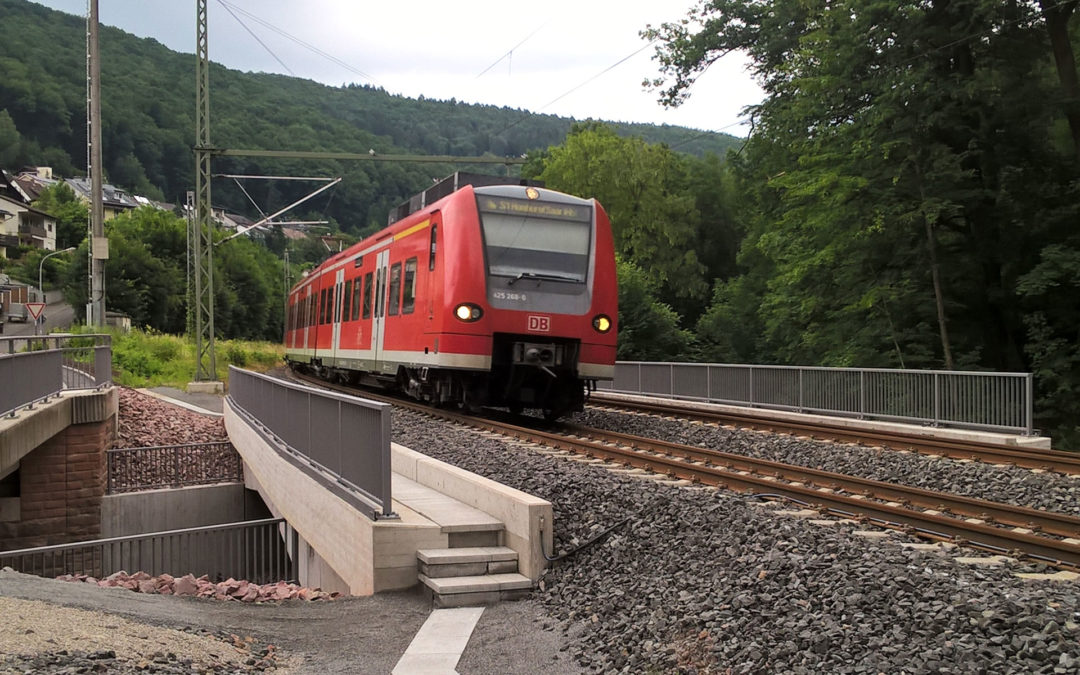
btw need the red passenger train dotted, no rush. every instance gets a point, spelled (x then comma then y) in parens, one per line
(480, 295)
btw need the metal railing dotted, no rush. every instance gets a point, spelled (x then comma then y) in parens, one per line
(961, 399)
(342, 436)
(260, 551)
(34, 369)
(171, 466)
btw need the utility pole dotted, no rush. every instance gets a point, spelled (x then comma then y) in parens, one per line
(203, 239)
(99, 245)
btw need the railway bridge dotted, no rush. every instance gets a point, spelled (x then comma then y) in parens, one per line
(353, 512)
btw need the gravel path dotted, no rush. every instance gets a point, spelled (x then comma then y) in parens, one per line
(35, 636)
(1010, 485)
(705, 581)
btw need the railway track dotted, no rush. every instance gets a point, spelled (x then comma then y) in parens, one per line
(991, 453)
(1048, 537)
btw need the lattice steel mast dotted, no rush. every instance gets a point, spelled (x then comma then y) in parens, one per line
(203, 239)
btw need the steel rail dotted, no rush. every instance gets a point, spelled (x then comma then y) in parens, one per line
(1006, 514)
(931, 524)
(993, 453)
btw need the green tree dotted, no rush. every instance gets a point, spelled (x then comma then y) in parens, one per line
(71, 213)
(648, 329)
(903, 175)
(642, 187)
(10, 140)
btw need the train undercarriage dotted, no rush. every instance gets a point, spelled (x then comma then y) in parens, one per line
(525, 374)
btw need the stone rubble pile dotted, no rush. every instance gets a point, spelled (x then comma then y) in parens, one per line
(145, 421)
(708, 581)
(202, 587)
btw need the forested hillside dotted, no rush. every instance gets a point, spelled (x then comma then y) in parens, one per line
(148, 94)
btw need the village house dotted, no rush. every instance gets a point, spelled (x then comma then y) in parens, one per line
(20, 223)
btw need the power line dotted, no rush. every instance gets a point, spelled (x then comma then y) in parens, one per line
(252, 33)
(578, 86)
(310, 47)
(511, 51)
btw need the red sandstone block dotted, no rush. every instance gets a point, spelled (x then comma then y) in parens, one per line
(41, 482)
(83, 518)
(45, 526)
(83, 493)
(83, 463)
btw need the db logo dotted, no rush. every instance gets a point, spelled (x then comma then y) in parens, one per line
(539, 324)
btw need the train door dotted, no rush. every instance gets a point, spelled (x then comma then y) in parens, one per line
(378, 326)
(335, 327)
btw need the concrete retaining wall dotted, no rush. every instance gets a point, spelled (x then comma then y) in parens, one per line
(172, 509)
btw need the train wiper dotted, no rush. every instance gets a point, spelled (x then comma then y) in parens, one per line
(543, 277)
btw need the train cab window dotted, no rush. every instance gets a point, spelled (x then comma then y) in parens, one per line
(347, 307)
(395, 289)
(434, 242)
(356, 300)
(368, 291)
(408, 292)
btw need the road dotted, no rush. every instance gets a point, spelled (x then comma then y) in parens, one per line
(58, 315)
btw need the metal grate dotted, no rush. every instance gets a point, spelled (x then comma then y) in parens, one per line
(171, 466)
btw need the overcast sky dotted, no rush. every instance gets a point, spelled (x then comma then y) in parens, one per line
(439, 50)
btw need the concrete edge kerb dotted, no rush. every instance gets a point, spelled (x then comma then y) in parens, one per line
(22, 434)
(183, 404)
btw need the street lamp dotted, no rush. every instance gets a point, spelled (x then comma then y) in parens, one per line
(41, 288)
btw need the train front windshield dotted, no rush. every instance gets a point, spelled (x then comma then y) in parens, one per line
(536, 240)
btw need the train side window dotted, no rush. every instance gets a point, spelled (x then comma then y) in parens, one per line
(330, 305)
(408, 292)
(368, 291)
(312, 302)
(395, 289)
(322, 306)
(356, 300)
(434, 242)
(346, 310)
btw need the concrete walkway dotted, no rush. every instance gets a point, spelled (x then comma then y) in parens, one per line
(440, 642)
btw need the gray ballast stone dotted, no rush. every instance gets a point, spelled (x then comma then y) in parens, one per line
(701, 579)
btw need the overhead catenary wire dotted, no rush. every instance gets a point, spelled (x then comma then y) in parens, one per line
(307, 45)
(510, 52)
(229, 9)
(577, 86)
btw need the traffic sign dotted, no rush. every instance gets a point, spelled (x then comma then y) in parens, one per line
(35, 309)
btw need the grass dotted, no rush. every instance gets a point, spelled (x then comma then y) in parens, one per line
(150, 359)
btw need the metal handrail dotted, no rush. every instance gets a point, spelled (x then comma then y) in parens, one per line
(342, 441)
(259, 551)
(946, 398)
(34, 369)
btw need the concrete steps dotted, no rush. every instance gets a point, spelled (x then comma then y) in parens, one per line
(470, 576)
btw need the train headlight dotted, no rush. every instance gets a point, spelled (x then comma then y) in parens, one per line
(468, 312)
(601, 323)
